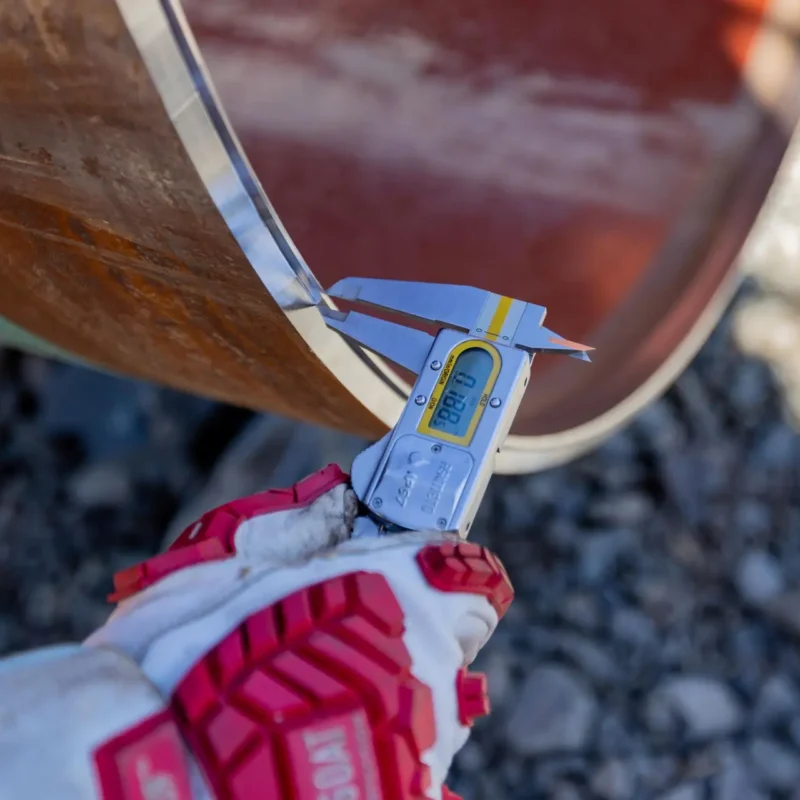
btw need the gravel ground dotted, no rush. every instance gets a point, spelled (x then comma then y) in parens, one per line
(768, 324)
(652, 651)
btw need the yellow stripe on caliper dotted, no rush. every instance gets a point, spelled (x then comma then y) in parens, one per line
(499, 318)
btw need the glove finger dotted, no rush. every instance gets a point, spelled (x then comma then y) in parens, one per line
(452, 573)
(274, 528)
(295, 534)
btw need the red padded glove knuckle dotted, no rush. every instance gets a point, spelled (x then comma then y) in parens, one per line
(472, 694)
(467, 567)
(212, 536)
(312, 698)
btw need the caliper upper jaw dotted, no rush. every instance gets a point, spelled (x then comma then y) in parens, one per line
(447, 304)
(460, 307)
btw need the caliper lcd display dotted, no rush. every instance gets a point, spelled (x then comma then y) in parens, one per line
(464, 395)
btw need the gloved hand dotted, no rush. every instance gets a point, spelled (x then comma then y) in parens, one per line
(267, 655)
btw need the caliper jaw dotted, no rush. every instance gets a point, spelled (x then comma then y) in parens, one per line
(406, 347)
(448, 304)
(483, 314)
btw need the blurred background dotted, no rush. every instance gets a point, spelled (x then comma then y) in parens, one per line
(653, 644)
(653, 648)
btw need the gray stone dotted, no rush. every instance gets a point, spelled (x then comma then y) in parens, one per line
(100, 484)
(749, 651)
(87, 614)
(702, 764)
(91, 574)
(785, 610)
(7, 633)
(633, 627)
(705, 706)
(471, 757)
(777, 700)
(563, 791)
(517, 516)
(758, 482)
(582, 610)
(715, 465)
(628, 510)
(480, 786)
(658, 424)
(753, 518)
(734, 780)
(554, 712)
(759, 577)
(620, 448)
(550, 771)
(660, 716)
(465, 786)
(777, 449)
(617, 476)
(542, 639)
(777, 765)
(686, 791)
(750, 389)
(664, 601)
(43, 606)
(514, 772)
(542, 487)
(497, 667)
(36, 372)
(614, 737)
(600, 553)
(702, 413)
(563, 535)
(682, 478)
(674, 649)
(595, 661)
(656, 772)
(517, 616)
(717, 516)
(684, 548)
(104, 411)
(571, 500)
(613, 780)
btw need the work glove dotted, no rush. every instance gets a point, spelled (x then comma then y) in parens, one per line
(279, 650)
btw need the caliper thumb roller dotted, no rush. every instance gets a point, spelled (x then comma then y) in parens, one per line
(314, 642)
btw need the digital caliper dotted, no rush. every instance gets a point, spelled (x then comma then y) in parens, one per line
(431, 470)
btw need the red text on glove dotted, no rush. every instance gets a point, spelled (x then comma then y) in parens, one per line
(335, 760)
(147, 762)
(155, 785)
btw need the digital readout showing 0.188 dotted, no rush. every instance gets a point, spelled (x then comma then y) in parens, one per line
(461, 399)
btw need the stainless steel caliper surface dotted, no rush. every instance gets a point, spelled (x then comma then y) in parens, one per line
(431, 470)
